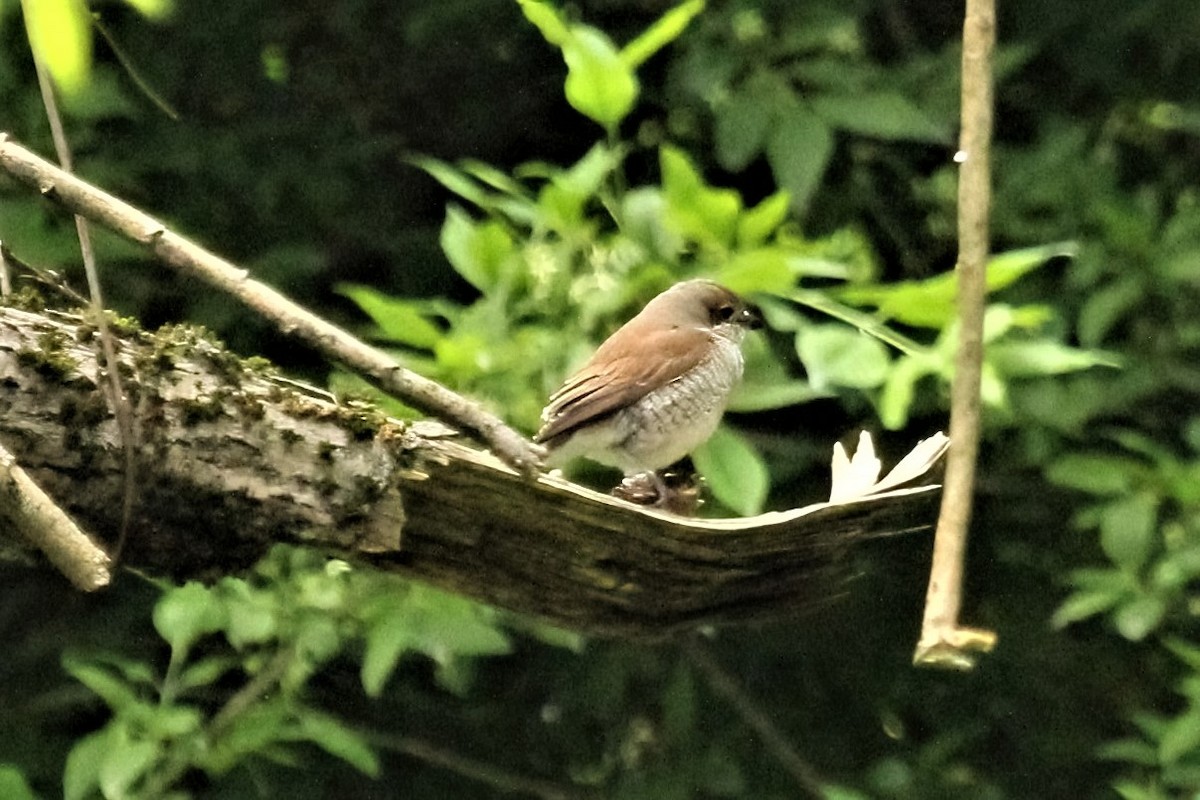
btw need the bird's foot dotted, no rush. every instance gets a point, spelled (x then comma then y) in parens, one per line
(675, 490)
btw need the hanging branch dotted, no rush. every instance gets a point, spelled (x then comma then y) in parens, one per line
(293, 320)
(943, 642)
(120, 402)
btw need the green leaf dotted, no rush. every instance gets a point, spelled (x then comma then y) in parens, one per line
(60, 33)
(661, 32)
(479, 251)
(1138, 619)
(798, 149)
(837, 355)
(1127, 529)
(1181, 738)
(185, 613)
(763, 269)
(586, 176)
(1108, 305)
(399, 319)
(756, 225)
(930, 303)
(1083, 605)
(896, 399)
(262, 724)
(125, 762)
(741, 125)
(81, 775)
(13, 785)
(153, 9)
(866, 323)
(753, 396)
(547, 20)
(1135, 751)
(116, 693)
(599, 84)
(1129, 790)
(454, 179)
(445, 627)
(843, 793)
(253, 618)
(768, 383)
(328, 733)
(644, 219)
(206, 671)
(701, 213)
(1095, 473)
(735, 472)
(563, 199)
(172, 721)
(1185, 651)
(386, 641)
(882, 115)
(1016, 359)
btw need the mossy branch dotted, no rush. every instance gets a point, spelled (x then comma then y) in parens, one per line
(86, 200)
(235, 459)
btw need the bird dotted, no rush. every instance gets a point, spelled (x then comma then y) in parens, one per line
(656, 389)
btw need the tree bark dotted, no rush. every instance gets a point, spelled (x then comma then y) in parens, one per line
(232, 458)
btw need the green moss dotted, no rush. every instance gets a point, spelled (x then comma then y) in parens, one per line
(51, 359)
(201, 409)
(83, 411)
(250, 407)
(27, 298)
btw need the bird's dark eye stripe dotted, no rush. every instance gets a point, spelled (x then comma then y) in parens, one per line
(725, 312)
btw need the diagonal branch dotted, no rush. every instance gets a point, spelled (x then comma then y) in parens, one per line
(756, 717)
(44, 524)
(943, 642)
(292, 319)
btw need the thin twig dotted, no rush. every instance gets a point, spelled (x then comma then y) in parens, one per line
(120, 402)
(5, 274)
(755, 716)
(943, 642)
(35, 515)
(293, 320)
(498, 778)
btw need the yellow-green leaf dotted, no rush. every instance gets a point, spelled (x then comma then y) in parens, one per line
(664, 31)
(60, 33)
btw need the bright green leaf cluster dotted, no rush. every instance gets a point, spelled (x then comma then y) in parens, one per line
(273, 631)
(601, 80)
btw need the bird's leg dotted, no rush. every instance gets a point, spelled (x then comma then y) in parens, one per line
(674, 490)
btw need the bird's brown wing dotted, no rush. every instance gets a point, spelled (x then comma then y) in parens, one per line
(625, 368)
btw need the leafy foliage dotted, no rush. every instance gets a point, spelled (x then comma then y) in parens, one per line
(799, 152)
(271, 633)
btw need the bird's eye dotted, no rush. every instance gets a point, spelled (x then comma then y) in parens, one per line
(725, 313)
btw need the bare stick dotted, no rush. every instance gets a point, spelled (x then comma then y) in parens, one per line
(120, 403)
(45, 525)
(293, 320)
(753, 714)
(497, 778)
(943, 642)
(5, 275)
